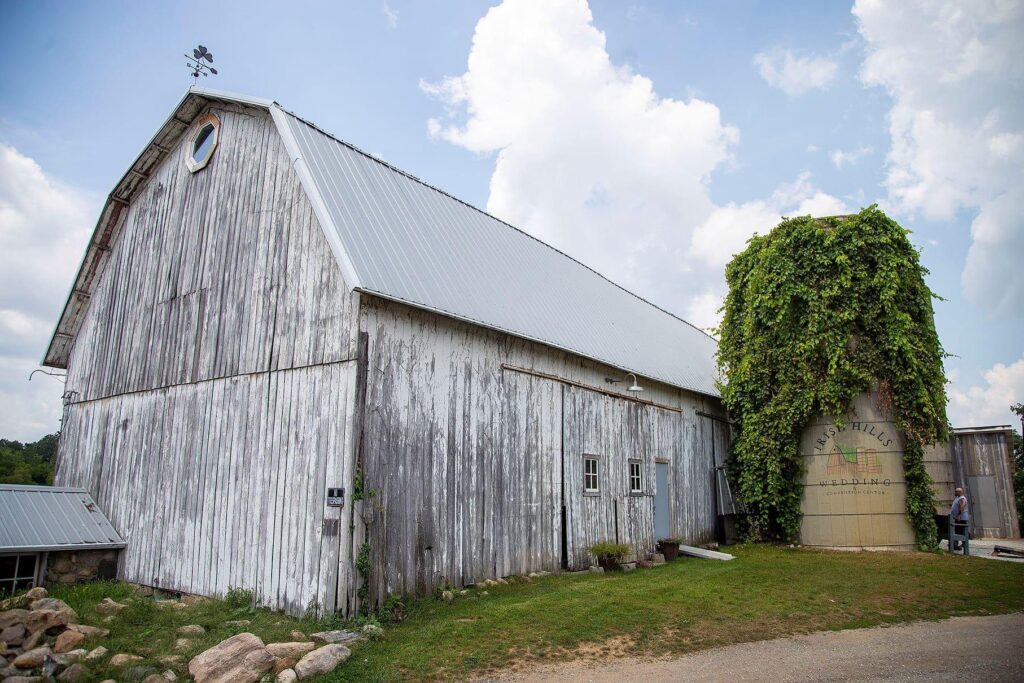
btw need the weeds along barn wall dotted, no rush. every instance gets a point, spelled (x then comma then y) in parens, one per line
(212, 379)
(462, 456)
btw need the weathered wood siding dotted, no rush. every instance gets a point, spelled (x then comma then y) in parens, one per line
(463, 454)
(218, 273)
(984, 461)
(221, 484)
(212, 380)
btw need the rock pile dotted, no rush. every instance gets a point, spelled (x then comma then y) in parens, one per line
(246, 659)
(39, 637)
(40, 640)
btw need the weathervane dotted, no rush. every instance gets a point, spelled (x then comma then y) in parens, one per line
(200, 62)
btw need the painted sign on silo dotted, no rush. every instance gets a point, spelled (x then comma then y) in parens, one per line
(854, 493)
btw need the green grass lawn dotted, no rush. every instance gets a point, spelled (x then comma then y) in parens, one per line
(687, 605)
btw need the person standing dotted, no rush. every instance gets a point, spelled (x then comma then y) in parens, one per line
(959, 514)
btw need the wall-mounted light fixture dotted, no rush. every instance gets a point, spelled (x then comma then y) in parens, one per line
(634, 388)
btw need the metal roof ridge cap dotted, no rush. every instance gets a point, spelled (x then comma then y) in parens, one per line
(212, 93)
(485, 213)
(312, 190)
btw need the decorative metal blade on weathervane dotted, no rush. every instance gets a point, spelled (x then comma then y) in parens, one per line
(200, 62)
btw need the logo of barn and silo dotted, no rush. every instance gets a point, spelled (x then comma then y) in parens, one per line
(853, 458)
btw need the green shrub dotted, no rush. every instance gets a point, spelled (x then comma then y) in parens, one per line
(608, 551)
(239, 598)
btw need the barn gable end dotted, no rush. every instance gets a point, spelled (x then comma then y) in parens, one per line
(210, 382)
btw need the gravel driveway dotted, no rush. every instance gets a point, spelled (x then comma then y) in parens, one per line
(959, 649)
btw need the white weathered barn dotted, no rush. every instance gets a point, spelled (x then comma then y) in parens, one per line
(266, 315)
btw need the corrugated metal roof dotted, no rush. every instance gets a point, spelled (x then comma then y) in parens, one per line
(413, 243)
(42, 518)
(399, 238)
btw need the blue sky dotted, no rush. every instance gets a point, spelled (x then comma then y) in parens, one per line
(648, 139)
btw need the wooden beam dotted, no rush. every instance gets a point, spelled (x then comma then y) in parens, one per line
(716, 417)
(600, 390)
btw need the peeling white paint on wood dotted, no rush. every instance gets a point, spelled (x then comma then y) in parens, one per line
(214, 381)
(220, 386)
(463, 458)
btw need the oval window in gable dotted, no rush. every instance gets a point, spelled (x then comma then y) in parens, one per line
(203, 142)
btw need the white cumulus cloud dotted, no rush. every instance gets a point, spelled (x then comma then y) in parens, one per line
(987, 405)
(589, 157)
(727, 229)
(390, 14)
(842, 158)
(44, 227)
(795, 73)
(956, 78)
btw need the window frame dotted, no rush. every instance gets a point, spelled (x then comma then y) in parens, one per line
(639, 491)
(596, 474)
(201, 123)
(19, 580)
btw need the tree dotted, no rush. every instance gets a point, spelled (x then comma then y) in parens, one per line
(28, 463)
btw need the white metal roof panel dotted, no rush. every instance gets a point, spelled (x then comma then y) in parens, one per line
(413, 243)
(44, 518)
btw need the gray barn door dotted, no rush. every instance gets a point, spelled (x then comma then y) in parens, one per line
(661, 505)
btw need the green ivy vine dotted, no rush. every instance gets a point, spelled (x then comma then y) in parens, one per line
(819, 311)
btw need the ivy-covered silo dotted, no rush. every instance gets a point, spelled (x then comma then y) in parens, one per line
(828, 327)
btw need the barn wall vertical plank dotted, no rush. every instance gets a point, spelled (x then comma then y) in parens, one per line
(210, 378)
(463, 456)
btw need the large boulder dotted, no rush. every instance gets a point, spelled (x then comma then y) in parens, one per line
(296, 649)
(33, 640)
(12, 617)
(75, 672)
(33, 659)
(109, 607)
(69, 658)
(97, 654)
(37, 593)
(89, 631)
(321, 661)
(336, 637)
(40, 620)
(68, 641)
(241, 658)
(13, 635)
(55, 604)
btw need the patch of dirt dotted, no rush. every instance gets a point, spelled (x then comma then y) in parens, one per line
(585, 654)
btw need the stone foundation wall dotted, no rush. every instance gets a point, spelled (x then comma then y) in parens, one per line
(74, 566)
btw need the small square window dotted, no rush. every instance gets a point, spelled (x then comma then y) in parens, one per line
(636, 477)
(590, 477)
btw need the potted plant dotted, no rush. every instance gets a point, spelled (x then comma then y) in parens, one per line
(609, 555)
(669, 547)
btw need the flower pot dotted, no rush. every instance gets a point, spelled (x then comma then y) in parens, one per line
(609, 564)
(669, 550)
